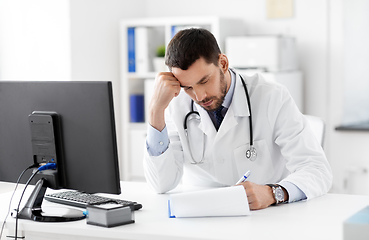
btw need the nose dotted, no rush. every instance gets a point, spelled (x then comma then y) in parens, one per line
(200, 94)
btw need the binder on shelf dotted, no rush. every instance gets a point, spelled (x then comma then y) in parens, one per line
(131, 49)
(143, 57)
(142, 45)
(175, 29)
(137, 105)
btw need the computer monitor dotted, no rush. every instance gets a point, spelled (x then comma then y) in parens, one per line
(84, 111)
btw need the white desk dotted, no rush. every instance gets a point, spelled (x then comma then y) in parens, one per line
(6, 187)
(320, 218)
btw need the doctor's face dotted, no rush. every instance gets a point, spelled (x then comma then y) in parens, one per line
(205, 83)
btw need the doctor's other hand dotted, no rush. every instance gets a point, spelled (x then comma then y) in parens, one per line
(165, 89)
(259, 196)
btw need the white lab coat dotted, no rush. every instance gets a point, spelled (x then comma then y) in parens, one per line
(286, 147)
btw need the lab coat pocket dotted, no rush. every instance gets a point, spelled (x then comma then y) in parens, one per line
(261, 168)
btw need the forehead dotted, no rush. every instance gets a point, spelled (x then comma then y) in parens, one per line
(197, 71)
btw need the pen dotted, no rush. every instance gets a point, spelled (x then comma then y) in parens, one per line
(244, 177)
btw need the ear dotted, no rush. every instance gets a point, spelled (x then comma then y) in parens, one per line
(223, 62)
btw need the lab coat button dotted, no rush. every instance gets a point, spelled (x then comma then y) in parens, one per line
(161, 143)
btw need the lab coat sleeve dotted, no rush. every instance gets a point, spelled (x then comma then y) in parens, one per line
(305, 159)
(165, 171)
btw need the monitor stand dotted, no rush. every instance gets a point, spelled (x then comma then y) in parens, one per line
(32, 210)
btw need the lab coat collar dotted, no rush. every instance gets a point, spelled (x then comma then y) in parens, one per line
(237, 109)
(239, 101)
(206, 125)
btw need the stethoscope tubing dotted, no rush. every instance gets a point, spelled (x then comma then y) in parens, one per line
(251, 153)
(250, 116)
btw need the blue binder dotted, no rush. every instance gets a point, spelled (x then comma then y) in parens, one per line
(131, 49)
(137, 108)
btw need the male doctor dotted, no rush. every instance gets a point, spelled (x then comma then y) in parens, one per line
(288, 157)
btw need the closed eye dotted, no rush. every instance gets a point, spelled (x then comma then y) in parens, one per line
(203, 82)
(187, 88)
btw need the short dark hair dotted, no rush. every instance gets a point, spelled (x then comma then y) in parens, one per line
(188, 45)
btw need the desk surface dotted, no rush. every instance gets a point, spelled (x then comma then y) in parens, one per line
(320, 218)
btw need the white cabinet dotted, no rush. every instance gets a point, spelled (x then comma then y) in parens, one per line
(292, 80)
(136, 148)
(142, 37)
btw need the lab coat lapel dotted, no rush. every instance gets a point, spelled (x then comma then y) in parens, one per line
(206, 125)
(239, 101)
(238, 108)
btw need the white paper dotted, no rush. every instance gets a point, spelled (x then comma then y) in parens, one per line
(228, 201)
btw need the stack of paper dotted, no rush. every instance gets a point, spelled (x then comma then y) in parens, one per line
(228, 201)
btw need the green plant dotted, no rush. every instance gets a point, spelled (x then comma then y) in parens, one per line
(160, 51)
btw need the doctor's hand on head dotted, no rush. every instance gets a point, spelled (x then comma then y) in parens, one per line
(166, 88)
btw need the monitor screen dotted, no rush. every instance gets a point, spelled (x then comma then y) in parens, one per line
(86, 116)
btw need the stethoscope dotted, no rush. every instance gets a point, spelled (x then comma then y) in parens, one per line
(250, 153)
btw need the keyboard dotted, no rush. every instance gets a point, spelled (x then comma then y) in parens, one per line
(78, 199)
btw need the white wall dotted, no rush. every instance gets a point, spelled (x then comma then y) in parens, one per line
(34, 40)
(95, 36)
(62, 39)
(95, 45)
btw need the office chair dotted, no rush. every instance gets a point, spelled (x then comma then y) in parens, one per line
(318, 126)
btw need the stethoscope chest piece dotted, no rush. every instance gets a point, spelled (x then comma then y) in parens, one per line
(251, 154)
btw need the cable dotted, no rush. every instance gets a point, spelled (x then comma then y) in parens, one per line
(42, 168)
(47, 166)
(11, 198)
(20, 200)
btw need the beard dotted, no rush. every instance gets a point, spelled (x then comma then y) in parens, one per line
(218, 101)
